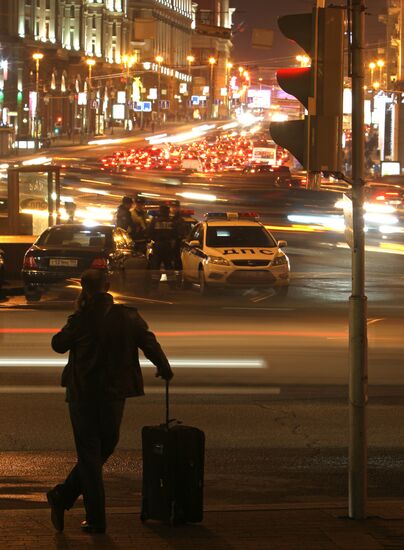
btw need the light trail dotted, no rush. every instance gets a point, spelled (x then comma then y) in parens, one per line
(203, 363)
(203, 333)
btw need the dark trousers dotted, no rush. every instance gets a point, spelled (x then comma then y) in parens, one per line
(162, 254)
(96, 433)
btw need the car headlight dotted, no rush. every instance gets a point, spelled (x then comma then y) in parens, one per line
(218, 260)
(279, 260)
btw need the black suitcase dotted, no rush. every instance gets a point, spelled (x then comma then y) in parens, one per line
(173, 466)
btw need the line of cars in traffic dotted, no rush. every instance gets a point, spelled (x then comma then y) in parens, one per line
(224, 250)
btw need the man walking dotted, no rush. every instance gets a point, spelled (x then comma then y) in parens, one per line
(103, 369)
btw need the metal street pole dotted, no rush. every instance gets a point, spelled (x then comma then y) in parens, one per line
(358, 370)
(37, 58)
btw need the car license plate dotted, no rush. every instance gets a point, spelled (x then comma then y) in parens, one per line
(62, 262)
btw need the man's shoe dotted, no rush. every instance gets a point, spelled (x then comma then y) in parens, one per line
(57, 511)
(92, 529)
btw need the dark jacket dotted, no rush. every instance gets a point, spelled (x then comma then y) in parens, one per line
(103, 341)
(162, 230)
(124, 218)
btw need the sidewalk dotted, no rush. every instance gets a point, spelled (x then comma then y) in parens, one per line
(288, 526)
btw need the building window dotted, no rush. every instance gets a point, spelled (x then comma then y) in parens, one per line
(47, 5)
(94, 22)
(72, 11)
(71, 37)
(38, 3)
(47, 28)
(114, 29)
(36, 28)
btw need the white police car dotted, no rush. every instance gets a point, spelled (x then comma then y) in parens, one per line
(234, 249)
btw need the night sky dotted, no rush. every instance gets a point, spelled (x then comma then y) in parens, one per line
(264, 13)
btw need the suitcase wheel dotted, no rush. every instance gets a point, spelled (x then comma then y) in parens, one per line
(144, 516)
(177, 515)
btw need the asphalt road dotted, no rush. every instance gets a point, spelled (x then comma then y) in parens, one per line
(266, 380)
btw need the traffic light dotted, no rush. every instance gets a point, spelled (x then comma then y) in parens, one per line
(315, 140)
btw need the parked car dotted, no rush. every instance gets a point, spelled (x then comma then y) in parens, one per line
(63, 252)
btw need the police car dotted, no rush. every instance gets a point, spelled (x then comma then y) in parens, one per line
(234, 250)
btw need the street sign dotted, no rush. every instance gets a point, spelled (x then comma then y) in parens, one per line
(195, 100)
(165, 104)
(147, 106)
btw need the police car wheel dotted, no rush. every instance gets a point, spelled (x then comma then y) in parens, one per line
(203, 285)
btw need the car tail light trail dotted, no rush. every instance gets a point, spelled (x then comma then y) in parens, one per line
(99, 263)
(30, 262)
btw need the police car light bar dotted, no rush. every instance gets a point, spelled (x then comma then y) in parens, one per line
(231, 216)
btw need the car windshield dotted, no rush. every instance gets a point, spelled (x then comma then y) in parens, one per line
(74, 237)
(238, 235)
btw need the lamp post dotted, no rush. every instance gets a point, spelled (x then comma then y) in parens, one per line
(159, 60)
(372, 67)
(247, 78)
(37, 57)
(212, 62)
(190, 59)
(128, 62)
(90, 64)
(229, 66)
(380, 64)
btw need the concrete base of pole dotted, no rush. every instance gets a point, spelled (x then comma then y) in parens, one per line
(358, 399)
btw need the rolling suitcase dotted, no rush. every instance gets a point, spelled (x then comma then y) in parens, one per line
(173, 467)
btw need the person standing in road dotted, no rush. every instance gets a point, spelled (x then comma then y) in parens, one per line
(70, 208)
(180, 229)
(103, 370)
(123, 215)
(163, 234)
(140, 224)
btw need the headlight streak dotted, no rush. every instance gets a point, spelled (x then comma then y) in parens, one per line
(197, 196)
(144, 363)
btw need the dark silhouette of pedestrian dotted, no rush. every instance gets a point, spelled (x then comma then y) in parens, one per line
(163, 234)
(181, 230)
(103, 370)
(140, 224)
(123, 215)
(70, 208)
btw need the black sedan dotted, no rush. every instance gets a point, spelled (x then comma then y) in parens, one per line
(63, 252)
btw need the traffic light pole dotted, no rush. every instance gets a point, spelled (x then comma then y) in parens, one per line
(358, 369)
(314, 177)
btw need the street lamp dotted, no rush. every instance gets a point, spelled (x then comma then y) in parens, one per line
(37, 57)
(372, 67)
(159, 60)
(304, 60)
(212, 62)
(380, 64)
(128, 62)
(229, 66)
(90, 64)
(190, 59)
